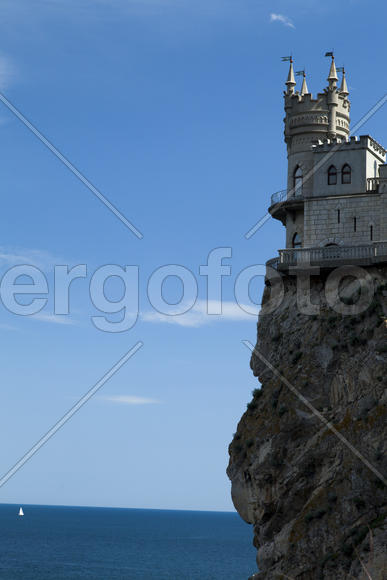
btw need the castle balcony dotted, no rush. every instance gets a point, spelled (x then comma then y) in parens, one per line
(284, 200)
(330, 256)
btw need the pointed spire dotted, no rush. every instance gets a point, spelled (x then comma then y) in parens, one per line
(291, 83)
(344, 89)
(304, 88)
(333, 78)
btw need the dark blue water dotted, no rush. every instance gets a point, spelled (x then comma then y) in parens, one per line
(53, 543)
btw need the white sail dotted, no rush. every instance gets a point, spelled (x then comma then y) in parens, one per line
(21, 513)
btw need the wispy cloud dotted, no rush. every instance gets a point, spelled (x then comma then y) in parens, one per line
(130, 400)
(198, 314)
(285, 20)
(53, 318)
(39, 258)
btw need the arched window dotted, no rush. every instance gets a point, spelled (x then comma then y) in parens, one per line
(332, 175)
(296, 242)
(346, 174)
(297, 180)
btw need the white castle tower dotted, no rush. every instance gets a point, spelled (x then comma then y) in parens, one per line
(335, 205)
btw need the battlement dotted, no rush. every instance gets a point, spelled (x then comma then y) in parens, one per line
(353, 143)
(301, 103)
(311, 119)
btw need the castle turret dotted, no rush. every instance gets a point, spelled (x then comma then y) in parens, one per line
(332, 99)
(304, 88)
(309, 121)
(343, 88)
(290, 82)
(332, 78)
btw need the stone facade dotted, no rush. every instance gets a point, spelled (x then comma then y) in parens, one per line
(336, 184)
(350, 221)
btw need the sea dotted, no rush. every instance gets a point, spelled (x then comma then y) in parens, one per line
(58, 542)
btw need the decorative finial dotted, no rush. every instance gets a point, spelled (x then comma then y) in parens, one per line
(291, 83)
(332, 77)
(343, 88)
(304, 88)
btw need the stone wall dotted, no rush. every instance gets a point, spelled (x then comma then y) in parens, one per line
(322, 223)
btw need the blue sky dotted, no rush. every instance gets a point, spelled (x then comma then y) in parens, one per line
(173, 109)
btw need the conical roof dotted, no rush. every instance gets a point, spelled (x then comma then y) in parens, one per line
(291, 83)
(304, 88)
(332, 72)
(344, 89)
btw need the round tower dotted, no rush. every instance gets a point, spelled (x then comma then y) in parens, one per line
(309, 121)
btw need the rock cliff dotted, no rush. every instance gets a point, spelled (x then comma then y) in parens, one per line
(311, 481)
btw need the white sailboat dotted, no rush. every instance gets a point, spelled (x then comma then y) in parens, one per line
(21, 513)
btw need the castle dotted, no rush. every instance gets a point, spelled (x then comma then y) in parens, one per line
(335, 205)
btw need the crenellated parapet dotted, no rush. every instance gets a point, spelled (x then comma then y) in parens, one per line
(315, 119)
(354, 143)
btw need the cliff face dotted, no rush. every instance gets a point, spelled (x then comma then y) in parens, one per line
(317, 501)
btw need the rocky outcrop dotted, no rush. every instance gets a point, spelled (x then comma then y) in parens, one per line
(307, 459)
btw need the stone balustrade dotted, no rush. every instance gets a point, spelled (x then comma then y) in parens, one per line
(331, 256)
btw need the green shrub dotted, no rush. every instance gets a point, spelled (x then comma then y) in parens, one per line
(315, 515)
(347, 549)
(296, 357)
(359, 502)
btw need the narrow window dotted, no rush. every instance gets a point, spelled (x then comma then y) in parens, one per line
(332, 175)
(346, 174)
(354, 224)
(371, 233)
(296, 241)
(338, 216)
(297, 180)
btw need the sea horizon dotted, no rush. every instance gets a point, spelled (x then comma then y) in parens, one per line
(59, 505)
(60, 542)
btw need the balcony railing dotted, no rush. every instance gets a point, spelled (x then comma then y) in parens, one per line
(284, 194)
(279, 196)
(369, 254)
